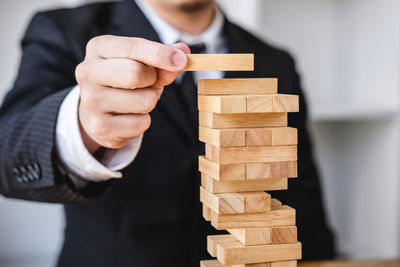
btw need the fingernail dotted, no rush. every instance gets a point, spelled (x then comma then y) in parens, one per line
(179, 59)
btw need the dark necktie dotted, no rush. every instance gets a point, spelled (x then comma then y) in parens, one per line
(188, 88)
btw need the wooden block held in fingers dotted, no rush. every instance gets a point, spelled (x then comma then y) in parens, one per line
(277, 216)
(222, 172)
(220, 62)
(214, 240)
(215, 186)
(251, 154)
(222, 104)
(238, 86)
(284, 235)
(284, 264)
(286, 103)
(252, 236)
(234, 252)
(241, 120)
(222, 137)
(206, 213)
(271, 136)
(264, 170)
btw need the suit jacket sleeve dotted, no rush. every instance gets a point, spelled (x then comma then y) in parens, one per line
(28, 117)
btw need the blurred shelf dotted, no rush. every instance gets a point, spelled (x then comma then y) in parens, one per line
(351, 112)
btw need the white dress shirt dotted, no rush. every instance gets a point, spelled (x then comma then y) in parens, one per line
(75, 158)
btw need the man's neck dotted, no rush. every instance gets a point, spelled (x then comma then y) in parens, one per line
(189, 22)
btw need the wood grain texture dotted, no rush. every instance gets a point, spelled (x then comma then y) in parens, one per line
(235, 203)
(277, 216)
(227, 155)
(271, 136)
(252, 236)
(214, 240)
(222, 172)
(234, 252)
(265, 170)
(265, 136)
(216, 263)
(284, 264)
(220, 62)
(247, 171)
(207, 213)
(225, 104)
(222, 137)
(284, 235)
(238, 86)
(215, 186)
(241, 120)
(222, 104)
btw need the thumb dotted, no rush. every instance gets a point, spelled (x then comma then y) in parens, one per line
(165, 77)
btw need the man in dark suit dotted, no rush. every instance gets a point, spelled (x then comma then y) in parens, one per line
(67, 136)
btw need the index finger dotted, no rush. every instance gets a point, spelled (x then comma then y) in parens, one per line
(148, 52)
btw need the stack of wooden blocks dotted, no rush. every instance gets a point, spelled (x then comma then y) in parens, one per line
(249, 150)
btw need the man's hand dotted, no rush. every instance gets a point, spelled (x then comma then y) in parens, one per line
(121, 80)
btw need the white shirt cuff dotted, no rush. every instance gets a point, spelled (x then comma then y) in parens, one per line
(72, 151)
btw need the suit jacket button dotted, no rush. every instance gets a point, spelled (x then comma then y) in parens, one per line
(15, 171)
(22, 169)
(25, 179)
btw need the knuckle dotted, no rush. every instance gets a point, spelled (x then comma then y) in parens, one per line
(150, 101)
(130, 47)
(92, 43)
(90, 99)
(145, 123)
(81, 73)
(134, 72)
(100, 126)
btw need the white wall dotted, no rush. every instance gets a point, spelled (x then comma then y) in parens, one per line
(348, 54)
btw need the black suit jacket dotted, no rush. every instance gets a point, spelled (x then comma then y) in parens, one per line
(151, 217)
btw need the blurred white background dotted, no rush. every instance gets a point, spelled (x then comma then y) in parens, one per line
(348, 54)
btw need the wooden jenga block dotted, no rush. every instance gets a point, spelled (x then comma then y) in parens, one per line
(222, 172)
(273, 136)
(237, 86)
(277, 216)
(247, 171)
(222, 137)
(214, 240)
(215, 186)
(286, 103)
(234, 252)
(225, 104)
(275, 203)
(216, 263)
(207, 213)
(231, 203)
(284, 264)
(227, 155)
(272, 103)
(264, 170)
(284, 235)
(220, 62)
(241, 120)
(222, 104)
(248, 136)
(252, 236)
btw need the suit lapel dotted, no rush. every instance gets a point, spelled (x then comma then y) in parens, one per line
(130, 21)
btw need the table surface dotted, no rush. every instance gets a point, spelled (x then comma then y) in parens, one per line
(352, 263)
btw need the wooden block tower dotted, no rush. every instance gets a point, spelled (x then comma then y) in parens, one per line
(249, 150)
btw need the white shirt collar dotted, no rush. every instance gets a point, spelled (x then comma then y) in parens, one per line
(212, 37)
